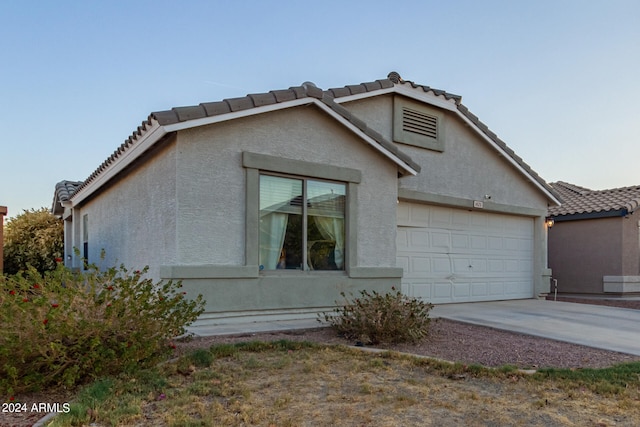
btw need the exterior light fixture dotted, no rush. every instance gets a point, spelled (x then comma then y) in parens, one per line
(550, 222)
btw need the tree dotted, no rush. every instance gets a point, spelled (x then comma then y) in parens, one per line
(36, 238)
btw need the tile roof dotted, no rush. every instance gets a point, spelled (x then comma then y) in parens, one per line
(309, 90)
(63, 192)
(584, 202)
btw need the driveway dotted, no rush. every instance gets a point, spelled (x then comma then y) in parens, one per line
(609, 328)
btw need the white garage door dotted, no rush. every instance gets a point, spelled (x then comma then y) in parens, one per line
(454, 255)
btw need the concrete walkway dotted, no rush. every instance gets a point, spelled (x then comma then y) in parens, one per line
(609, 328)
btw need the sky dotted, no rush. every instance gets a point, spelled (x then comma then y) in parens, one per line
(558, 81)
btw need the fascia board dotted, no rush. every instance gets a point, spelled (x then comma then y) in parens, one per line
(141, 145)
(366, 137)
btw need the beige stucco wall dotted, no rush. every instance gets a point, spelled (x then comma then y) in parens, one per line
(134, 218)
(211, 182)
(468, 168)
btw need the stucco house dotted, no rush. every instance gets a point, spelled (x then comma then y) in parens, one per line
(272, 204)
(594, 242)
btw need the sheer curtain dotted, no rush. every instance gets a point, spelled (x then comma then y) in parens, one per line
(333, 229)
(273, 227)
(279, 198)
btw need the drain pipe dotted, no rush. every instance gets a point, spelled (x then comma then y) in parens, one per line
(555, 289)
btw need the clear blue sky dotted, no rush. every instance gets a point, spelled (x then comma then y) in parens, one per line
(558, 81)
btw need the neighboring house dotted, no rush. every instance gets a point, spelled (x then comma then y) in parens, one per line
(272, 204)
(594, 245)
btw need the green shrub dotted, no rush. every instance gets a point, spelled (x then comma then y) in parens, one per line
(63, 328)
(35, 238)
(381, 318)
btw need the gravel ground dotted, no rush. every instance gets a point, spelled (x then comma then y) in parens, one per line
(459, 342)
(448, 340)
(467, 343)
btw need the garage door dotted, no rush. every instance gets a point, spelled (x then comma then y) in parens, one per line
(455, 255)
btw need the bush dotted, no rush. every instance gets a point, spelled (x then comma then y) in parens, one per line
(33, 238)
(381, 318)
(64, 328)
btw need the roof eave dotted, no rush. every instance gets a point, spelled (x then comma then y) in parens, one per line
(615, 213)
(156, 132)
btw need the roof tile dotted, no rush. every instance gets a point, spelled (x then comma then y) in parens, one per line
(339, 92)
(190, 113)
(261, 99)
(238, 104)
(312, 90)
(165, 117)
(356, 89)
(371, 86)
(216, 108)
(581, 200)
(283, 95)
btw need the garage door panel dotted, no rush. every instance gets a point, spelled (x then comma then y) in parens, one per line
(419, 239)
(420, 265)
(460, 241)
(441, 265)
(479, 290)
(463, 256)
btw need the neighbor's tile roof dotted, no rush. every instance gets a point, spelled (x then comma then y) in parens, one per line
(210, 109)
(63, 192)
(580, 200)
(65, 189)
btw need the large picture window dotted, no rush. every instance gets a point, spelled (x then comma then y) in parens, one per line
(302, 224)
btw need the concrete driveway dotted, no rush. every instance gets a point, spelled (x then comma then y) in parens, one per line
(609, 328)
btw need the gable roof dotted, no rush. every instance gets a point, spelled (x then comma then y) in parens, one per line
(161, 123)
(583, 203)
(453, 103)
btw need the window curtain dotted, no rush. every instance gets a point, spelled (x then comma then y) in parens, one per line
(272, 231)
(333, 229)
(279, 198)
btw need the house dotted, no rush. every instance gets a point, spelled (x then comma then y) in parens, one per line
(272, 204)
(594, 243)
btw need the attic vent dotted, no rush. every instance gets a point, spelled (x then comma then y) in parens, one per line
(420, 123)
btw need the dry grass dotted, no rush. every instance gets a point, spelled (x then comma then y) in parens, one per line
(298, 384)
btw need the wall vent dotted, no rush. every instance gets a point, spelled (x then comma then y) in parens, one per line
(420, 123)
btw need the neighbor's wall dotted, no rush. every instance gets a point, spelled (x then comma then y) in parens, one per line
(631, 246)
(582, 252)
(134, 219)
